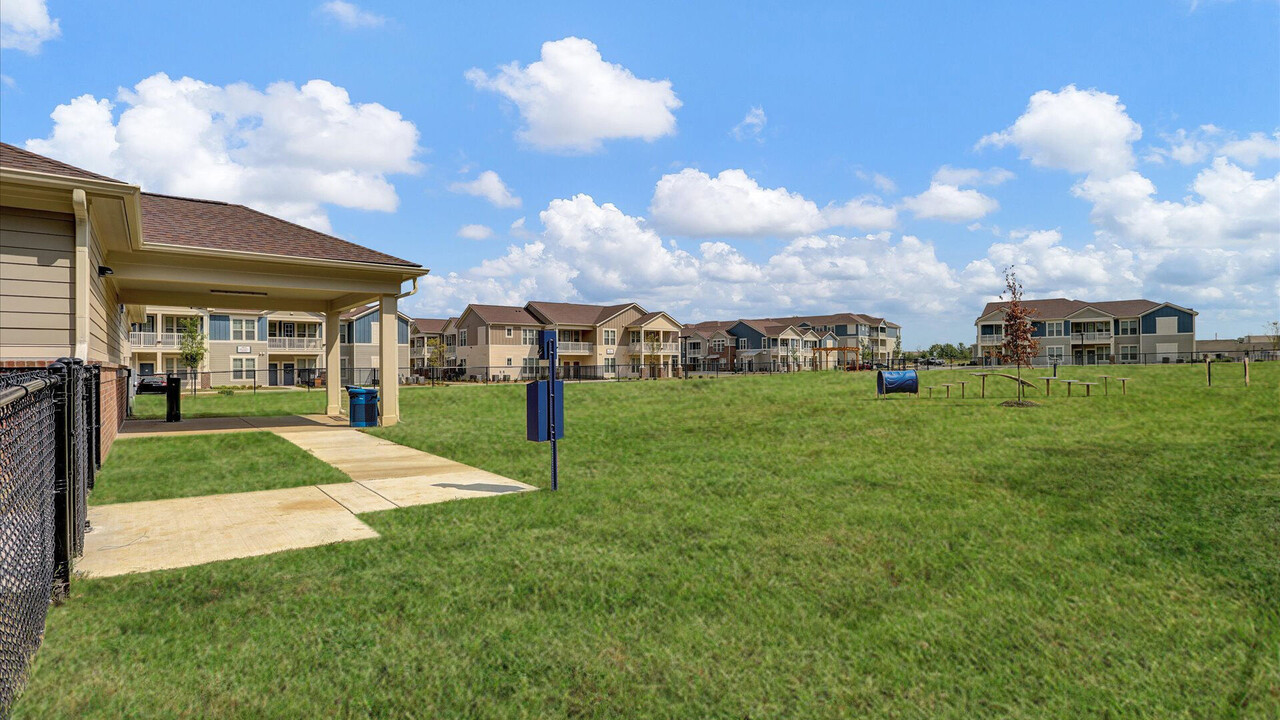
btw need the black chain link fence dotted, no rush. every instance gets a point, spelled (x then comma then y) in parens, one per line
(48, 454)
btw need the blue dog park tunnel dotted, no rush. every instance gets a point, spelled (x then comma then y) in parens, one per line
(897, 381)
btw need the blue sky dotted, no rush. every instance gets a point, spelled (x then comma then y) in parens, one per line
(709, 159)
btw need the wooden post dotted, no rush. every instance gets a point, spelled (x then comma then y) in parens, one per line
(1246, 372)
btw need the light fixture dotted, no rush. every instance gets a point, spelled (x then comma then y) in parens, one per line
(104, 271)
(238, 292)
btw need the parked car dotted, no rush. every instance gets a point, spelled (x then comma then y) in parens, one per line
(153, 385)
(934, 361)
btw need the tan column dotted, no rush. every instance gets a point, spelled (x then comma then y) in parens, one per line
(332, 364)
(389, 361)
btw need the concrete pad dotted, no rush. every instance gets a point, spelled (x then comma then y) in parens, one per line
(424, 490)
(357, 498)
(165, 534)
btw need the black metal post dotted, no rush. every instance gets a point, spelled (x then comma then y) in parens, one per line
(62, 465)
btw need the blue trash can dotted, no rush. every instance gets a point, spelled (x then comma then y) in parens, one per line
(364, 406)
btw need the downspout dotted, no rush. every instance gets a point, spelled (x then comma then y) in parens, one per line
(80, 205)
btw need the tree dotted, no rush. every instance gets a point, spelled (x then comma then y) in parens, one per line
(653, 340)
(433, 356)
(1273, 329)
(191, 347)
(897, 348)
(1019, 346)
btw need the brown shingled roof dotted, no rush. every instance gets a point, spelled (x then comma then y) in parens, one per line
(430, 325)
(504, 314)
(15, 157)
(561, 313)
(217, 225)
(1052, 308)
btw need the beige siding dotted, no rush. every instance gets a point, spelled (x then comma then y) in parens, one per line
(37, 284)
(107, 325)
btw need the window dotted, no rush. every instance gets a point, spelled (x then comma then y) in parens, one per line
(179, 324)
(1054, 354)
(610, 336)
(1129, 353)
(695, 347)
(742, 343)
(511, 331)
(529, 336)
(717, 345)
(1053, 329)
(342, 333)
(508, 359)
(635, 365)
(462, 337)
(635, 337)
(530, 364)
(243, 368)
(611, 365)
(1129, 327)
(242, 329)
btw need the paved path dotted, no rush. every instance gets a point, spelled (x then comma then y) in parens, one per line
(164, 534)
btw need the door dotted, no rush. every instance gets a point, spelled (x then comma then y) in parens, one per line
(1079, 357)
(273, 374)
(286, 329)
(147, 368)
(1091, 357)
(288, 373)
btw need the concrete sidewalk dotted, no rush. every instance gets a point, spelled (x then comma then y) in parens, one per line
(164, 534)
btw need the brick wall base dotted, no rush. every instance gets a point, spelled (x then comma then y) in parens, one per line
(113, 396)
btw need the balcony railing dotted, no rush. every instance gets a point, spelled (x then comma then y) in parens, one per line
(144, 340)
(1091, 337)
(417, 352)
(287, 343)
(652, 348)
(575, 348)
(990, 339)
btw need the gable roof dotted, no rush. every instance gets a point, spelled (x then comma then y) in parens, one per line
(707, 328)
(12, 156)
(429, 325)
(1054, 308)
(647, 318)
(502, 314)
(215, 225)
(561, 313)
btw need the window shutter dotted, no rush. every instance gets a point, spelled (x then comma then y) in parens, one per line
(262, 328)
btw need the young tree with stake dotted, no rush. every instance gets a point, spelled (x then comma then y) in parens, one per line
(1019, 344)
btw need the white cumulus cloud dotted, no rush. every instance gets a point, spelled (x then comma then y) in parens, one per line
(475, 232)
(351, 15)
(1083, 131)
(751, 126)
(695, 204)
(571, 100)
(25, 25)
(489, 186)
(286, 150)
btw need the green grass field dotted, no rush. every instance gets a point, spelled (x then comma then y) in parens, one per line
(779, 546)
(169, 467)
(265, 403)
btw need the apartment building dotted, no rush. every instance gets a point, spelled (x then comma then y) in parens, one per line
(422, 331)
(264, 348)
(791, 343)
(1086, 333)
(499, 342)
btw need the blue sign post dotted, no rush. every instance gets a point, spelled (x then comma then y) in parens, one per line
(544, 404)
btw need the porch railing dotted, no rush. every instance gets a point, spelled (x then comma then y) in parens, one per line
(651, 348)
(576, 348)
(145, 340)
(286, 343)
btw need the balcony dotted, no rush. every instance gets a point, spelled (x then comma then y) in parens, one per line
(991, 339)
(575, 348)
(288, 343)
(1091, 337)
(146, 340)
(655, 348)
(417, 352)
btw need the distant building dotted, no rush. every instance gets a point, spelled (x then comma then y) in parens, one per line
(1086, 333)
(1254, 347)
